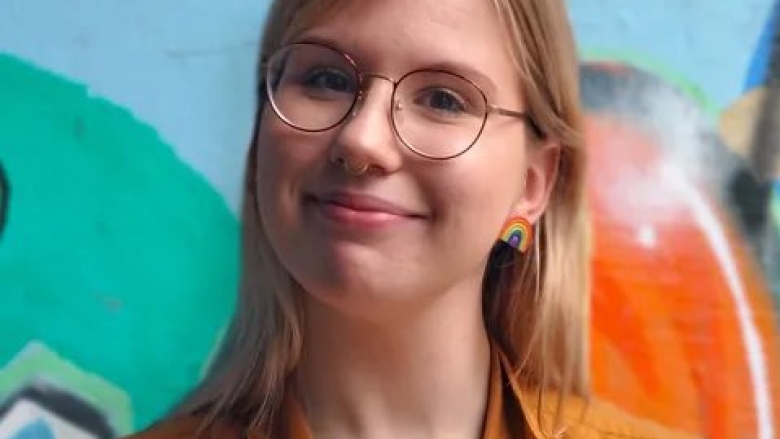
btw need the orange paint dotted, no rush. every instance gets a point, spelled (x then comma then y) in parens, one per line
(667, 340)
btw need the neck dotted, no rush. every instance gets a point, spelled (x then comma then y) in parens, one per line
(421, 376)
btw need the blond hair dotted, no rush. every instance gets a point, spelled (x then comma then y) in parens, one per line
(535, 305)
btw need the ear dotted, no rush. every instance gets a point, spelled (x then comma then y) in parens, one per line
(541, 174)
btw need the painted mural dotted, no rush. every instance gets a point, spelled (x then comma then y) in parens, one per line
(678, 261)
(113, 297)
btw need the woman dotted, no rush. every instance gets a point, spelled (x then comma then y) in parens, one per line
(395, 141)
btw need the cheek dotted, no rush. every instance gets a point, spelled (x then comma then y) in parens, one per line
(287, 163)
(472, 207)
(489, 175)
(275, 157)
(285, 158)
(475, 194)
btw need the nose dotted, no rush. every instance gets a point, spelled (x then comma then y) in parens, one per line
(367, 136)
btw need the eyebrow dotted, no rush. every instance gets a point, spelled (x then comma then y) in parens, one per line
(472, 74)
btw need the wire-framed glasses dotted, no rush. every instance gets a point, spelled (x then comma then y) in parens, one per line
(437, 114)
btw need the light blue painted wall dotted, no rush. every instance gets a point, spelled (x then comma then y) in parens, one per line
(184, 67)
(710, 43)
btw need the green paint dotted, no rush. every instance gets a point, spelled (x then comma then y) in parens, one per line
(116, 255)
(37, 360)
(657, 68)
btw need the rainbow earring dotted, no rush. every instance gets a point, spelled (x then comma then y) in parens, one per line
(518, 233)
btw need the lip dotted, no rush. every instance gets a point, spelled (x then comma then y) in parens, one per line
(350, 211)
(364, 203)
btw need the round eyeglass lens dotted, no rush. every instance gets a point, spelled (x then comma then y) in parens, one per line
(311, 87)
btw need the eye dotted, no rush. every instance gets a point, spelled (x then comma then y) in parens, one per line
(329, 79)
(443, 100)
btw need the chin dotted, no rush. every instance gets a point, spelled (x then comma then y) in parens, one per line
(357, 296)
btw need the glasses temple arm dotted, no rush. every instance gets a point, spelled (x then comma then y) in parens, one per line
(527, 118)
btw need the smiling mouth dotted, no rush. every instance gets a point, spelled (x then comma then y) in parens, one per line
(354, 210)
(364, 203)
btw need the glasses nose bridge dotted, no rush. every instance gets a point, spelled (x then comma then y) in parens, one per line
(371, 75)
(365, 79)
(362, 92)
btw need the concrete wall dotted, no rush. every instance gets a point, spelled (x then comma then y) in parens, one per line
(122, 132)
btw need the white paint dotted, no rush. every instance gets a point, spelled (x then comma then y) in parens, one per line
(25, 413)
(756, 360)
(647, 236)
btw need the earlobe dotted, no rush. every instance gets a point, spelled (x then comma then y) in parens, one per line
(540, 177)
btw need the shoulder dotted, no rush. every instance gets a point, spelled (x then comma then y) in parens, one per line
(591, 419)
(188, 427)
(582, 418)
(179, 428)
(596, 419)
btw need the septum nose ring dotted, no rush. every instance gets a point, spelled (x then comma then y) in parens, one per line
(351, 167)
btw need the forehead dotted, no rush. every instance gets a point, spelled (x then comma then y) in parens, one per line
(398, 35)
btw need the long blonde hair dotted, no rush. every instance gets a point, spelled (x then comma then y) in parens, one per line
(535, 306)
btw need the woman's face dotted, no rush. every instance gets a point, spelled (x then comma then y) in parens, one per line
(410, 229)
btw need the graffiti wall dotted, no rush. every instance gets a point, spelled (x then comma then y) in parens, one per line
(684, 188)
(123, 127)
